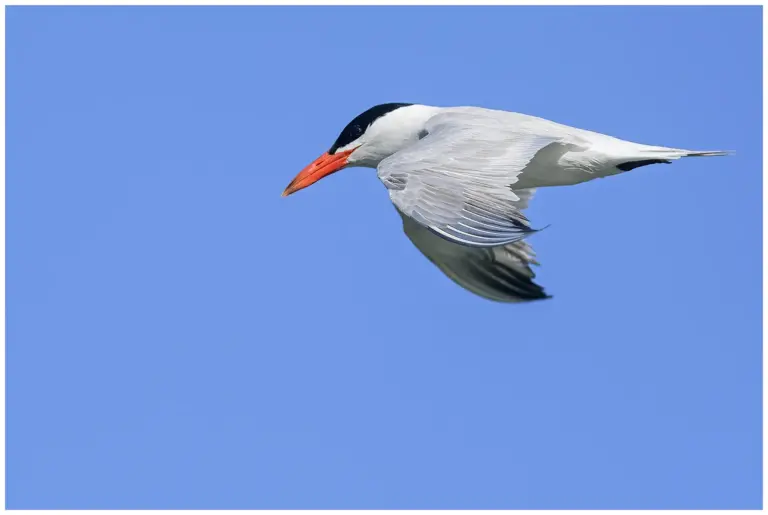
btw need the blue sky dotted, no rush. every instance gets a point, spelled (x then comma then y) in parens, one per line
(180, 336)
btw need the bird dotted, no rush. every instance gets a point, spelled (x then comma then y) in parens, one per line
(461, 178)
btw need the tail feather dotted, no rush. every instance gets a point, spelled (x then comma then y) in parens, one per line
(647, 155)
(677, 153)
(704, 153)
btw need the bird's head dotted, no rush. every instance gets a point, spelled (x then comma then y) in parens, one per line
(369, 138)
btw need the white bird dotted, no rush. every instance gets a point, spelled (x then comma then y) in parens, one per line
(460, 178)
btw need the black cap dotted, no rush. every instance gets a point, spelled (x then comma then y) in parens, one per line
(360, 124)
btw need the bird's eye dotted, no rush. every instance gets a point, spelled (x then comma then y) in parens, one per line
(357, 131)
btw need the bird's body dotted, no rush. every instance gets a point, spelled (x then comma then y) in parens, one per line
(460, 177)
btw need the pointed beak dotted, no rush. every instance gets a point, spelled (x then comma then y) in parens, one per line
(321, 167)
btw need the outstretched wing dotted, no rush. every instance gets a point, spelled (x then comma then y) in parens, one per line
(456, 181)
(502, 274)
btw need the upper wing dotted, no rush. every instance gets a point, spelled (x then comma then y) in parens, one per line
(456, 180)
(502, 274)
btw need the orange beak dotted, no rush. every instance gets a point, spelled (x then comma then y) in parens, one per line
(321, 167)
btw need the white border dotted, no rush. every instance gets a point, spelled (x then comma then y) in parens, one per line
(345, 2)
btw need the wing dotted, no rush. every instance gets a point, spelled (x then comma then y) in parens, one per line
(502, 274)
(456, 180)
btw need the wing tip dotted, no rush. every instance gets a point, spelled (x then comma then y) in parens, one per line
(517, 299)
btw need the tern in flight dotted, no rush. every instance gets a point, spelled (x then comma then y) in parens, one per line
(461, 177)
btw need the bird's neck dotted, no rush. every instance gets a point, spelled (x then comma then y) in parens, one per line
(394, 132)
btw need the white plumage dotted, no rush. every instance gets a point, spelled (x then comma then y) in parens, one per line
(460, 178)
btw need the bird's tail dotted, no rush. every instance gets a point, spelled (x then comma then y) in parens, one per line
(677, 153)
(648, 155)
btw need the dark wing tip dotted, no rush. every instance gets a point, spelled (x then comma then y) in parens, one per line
(502, 283)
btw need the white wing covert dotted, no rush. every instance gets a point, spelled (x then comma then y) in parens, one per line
(456, 179)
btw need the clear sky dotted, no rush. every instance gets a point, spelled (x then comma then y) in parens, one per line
(180, 336)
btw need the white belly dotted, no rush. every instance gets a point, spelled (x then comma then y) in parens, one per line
(553, 176)
(563, 165)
